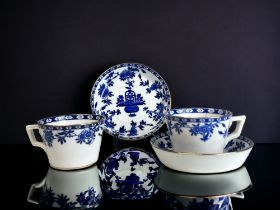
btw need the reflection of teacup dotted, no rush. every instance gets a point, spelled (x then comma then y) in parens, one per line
(70, 141)
(68, 189)
(128, 174)
(188, 203)
(202, 130)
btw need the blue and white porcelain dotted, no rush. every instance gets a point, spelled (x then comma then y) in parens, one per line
(70, 141)
(233, 183)
(133, 98)
(68, 189)
(128, 174)
(234, 155)
(202, 130)
(206, 203)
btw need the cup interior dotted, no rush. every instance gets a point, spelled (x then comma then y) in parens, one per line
(71, 120)
(199, 114)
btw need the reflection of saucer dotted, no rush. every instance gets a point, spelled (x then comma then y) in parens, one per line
(202, 185)
(235, 154)
(133, 98)
(128, 174)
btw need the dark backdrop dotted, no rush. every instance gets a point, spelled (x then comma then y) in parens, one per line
(211, 53)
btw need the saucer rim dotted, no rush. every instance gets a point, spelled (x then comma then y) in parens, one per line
(111, 131)
(155, 138)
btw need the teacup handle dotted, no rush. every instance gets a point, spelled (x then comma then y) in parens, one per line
(240, 120)
(30, 131)
(237, 195)
(33, 188)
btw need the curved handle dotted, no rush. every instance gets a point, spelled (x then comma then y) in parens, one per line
(239, 126)
(33, 188)
(32, 138)
(237, 195)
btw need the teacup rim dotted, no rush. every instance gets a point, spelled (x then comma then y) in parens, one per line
(43, 123)
(227, 114)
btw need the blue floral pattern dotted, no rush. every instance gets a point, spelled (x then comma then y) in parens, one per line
(205, 130)
(128, 174)
(86, 199)
(82, 134)
(221, 203)
(205, 127)
(239, 144)
(133, 98)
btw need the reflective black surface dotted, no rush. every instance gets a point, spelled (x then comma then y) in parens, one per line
(24, 165)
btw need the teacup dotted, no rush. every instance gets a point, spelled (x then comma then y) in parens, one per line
(68, 189)
(70, 141)
(202, 130)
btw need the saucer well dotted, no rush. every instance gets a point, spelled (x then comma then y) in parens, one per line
(128, 174)
(133, 98)
(233, 157)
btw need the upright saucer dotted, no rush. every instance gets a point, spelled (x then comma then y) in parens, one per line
(133, 98)
(235, 154)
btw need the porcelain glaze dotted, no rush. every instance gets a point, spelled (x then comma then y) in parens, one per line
(70, 141)
(202, 130)
(133, 98)
(234, 155)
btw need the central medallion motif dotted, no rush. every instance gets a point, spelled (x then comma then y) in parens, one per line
(130, 101)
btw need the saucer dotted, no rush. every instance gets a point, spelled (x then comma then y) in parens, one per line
(232, 183)
(128, 174)
(235, 154)
(133, 98)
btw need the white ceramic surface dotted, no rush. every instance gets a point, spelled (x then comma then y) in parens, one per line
(202, 130)
(70, 141)
(233, 157)
(133, 98)
(68, 189)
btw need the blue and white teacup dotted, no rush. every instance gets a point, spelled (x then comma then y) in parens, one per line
(77, 189)
(70, 141)
(202, 130)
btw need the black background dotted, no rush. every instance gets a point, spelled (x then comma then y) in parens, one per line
(217, 53)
